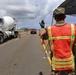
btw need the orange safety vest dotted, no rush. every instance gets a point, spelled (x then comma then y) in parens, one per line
(61, 42)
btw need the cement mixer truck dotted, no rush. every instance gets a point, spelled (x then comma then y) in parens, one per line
(8, 28)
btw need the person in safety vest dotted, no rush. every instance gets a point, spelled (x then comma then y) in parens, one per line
(61, 37)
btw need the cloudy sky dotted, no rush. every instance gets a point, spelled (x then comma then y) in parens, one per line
(29, 13)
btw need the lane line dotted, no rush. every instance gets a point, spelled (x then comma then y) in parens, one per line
(45, 50)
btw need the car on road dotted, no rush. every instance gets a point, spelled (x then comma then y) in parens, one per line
(33, 31)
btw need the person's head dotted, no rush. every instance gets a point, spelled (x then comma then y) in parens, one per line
(59, 14)
(42, 22)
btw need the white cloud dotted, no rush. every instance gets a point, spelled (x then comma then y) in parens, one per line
(28, 9)
(2, 12)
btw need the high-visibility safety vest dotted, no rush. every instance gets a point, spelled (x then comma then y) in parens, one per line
(61, 42)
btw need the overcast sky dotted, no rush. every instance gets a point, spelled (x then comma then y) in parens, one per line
(29, 13)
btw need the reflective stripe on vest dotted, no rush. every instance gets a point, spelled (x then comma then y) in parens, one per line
(65, 62)
(50, 36)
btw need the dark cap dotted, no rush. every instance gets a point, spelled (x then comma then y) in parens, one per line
(58, 11)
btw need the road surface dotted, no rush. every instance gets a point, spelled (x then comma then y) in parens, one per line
(23, 56)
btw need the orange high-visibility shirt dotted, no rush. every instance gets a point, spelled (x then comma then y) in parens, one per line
(61, 42)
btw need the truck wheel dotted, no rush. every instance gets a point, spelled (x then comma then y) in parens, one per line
(1, 39)
(15, 34)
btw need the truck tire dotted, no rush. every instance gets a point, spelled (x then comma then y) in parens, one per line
(1, 39)
(15, 34)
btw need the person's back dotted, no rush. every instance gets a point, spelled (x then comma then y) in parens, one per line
(61, 41)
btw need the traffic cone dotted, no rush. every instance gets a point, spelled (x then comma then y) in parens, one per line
(39, 34)
(26, 33)
(19, 36)
(43, 42)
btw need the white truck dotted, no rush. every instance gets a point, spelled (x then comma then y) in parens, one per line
(8, 28)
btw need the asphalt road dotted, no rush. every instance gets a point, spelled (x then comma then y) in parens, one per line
(23, 56)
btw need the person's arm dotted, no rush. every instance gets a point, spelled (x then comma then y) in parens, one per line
(44, 35)
(74, 45)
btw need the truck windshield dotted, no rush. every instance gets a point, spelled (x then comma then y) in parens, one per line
(1, 20)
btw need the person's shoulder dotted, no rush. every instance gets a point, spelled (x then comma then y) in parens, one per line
(71, 24)
(50, 26)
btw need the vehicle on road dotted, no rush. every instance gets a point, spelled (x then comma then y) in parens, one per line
(8, 28)
(33, 31)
